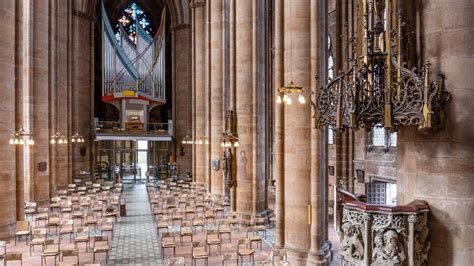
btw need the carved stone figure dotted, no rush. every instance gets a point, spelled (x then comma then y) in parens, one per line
(242, 166)
(388, 250)
(352, 242)
(227, 167)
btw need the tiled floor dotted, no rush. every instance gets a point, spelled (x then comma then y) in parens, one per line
(135, 241)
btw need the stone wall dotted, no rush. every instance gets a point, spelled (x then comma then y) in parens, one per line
(439, 167)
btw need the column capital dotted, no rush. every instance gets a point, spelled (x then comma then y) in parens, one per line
(196, 3)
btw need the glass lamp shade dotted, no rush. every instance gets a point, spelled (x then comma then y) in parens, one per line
(278, 100)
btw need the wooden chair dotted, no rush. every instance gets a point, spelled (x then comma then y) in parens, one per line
(224, 229)
(66, 209)
(70, 253)
(54, 220)
(176, 216)
(209, 215)
(66, 228)
(82, 236)
(50, 249)
(13, 256)
(78, 213)
(212, 239)
(185, 230)
(229, 258)
(100, 247)
(245, 251)
(37, 239)
(199, 252)
(167, 241)
(55, 203)
(252, 235)
(42, 215)
(30, 210)
(107, 225)
(233, 220)
(23, 228)
(162, 223)
(91, 220)
(198, 222)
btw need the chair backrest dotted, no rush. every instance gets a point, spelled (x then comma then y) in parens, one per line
(212, 232)
(98, 239)
(49, 242)
(185, 224)
(243, 241)
(70, 253)
(23, 225)
(199, 244)
(82, 230)
(43, 210)
(167, 235)
(39, 233)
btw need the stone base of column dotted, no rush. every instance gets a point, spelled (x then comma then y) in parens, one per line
(321, 257)
(296, 257)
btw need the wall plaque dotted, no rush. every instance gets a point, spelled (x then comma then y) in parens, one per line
(42, 166)
(215, 165)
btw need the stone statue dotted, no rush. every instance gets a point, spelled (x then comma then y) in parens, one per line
(227, 167)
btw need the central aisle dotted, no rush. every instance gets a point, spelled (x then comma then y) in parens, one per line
(134, 240)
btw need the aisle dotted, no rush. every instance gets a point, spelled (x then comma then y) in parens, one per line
(134, 239)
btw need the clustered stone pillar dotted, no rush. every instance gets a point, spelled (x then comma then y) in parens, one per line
(199, 90)
(279, 137)
(244, 103)
(216, 55)
(182, 95)
(82, 85)
(439, 167)
(7, 123)
(297, 120)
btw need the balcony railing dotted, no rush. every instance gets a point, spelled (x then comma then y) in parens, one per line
(383, 235)
(115, 128)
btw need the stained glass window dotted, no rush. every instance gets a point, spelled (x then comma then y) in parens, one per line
(132, 15)
(330, 60)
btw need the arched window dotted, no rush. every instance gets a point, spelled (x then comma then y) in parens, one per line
(132, 15)
(330, 60)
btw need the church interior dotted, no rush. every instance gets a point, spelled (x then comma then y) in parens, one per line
(237, 132)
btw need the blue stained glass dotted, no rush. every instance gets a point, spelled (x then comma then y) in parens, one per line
(130, 16)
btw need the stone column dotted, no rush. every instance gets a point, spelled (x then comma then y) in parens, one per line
(199, 115)
(82, 68)
(216, 55)
(232, 94)
(439, 167)
(183, 94)
(41, 68)
(279, 136)
(298, 122)
(7, 123)
(244, 104)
